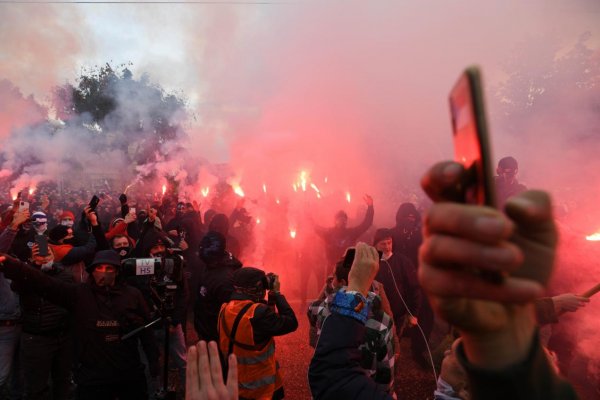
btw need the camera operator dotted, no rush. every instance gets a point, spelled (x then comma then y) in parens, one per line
(251, 337)
(154, 245)
(104, 308)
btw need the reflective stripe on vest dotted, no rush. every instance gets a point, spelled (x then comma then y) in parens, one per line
(269, 352)
(267, 380)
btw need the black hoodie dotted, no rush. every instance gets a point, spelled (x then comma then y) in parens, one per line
(101, 315)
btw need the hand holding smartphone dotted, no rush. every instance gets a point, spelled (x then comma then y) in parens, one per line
(94, 203)
(471, 146)
(23, 206)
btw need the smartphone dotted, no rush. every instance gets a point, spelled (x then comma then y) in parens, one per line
(23, 206)
(470, 136)
(94, 202)
(351, 253)
(42, 243)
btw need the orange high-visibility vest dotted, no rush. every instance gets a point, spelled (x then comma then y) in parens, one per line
(259, 375)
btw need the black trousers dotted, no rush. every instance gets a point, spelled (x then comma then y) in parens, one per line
(132, 389)
(44, 359)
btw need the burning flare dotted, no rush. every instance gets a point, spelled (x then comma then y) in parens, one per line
(237, 189)
(205, 191)
(348, 198)
(303, 175)
(265, 187)
(31, 190)
(164, 189)
(595, 237)
(293, 233)
(257, 221)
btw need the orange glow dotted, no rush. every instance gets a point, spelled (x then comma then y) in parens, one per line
(277, 201)
(594, 237)
(237, 189)
(164, 189)
(205, 191)
(31, 190)
(293, 233)
(348, 198)
(265, 187)
(257, 221)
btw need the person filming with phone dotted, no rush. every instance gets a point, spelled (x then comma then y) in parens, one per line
(247, 326)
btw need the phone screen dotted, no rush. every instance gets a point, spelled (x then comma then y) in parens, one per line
(471, 145)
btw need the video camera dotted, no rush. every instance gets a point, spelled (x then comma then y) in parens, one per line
(164, 268)
(165, 275)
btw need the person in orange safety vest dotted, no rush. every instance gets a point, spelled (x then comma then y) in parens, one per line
(247, 325)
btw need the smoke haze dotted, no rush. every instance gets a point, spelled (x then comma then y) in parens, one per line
(352, 93)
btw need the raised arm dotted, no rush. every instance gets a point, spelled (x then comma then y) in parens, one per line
(61, 293)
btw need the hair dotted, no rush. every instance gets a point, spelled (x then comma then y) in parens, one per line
(112, 241)
(341, 273)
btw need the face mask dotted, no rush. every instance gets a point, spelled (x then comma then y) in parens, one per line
(67, 222)
(123, 252)
(47, 266)
(40, 229)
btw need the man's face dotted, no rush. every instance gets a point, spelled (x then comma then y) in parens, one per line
(158, 250)
(119, 243)
(105, 274)
(507, 174)
(385, 246)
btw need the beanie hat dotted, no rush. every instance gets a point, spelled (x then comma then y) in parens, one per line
(381, 234)
(109, 257)
(58, 232)
(39, 217)
(67, 214)
(248, 278)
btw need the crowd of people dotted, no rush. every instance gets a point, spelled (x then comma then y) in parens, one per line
(95, 297)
